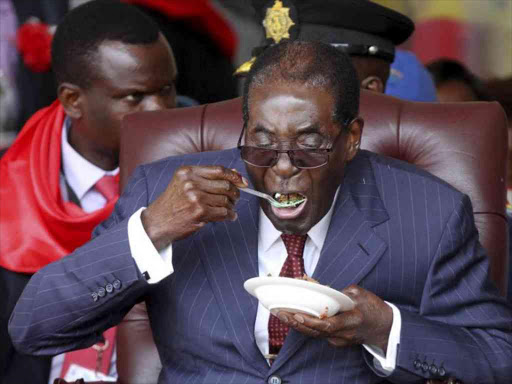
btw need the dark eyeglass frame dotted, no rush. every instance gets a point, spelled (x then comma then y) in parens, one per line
(290, 152)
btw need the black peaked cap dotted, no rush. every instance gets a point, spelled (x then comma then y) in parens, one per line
(359, 27)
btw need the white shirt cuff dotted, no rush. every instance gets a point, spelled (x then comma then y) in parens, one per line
(153, 265)
(386, 364)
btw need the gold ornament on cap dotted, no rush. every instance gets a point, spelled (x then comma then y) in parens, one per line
(245, 67)
(277, 22)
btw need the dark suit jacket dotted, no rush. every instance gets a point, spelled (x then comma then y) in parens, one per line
(17, 368)
(396, 231)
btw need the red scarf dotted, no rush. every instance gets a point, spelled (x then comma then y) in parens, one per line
(36, 226)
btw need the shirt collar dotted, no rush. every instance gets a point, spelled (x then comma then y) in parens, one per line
(80, 174)
(268, 234)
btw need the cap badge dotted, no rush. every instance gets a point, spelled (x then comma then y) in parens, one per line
(277, 22)
(245, 67)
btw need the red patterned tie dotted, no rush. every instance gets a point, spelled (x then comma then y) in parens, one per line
(108, 187)
(292, 267)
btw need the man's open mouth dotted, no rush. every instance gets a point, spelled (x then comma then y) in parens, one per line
(294, 204)
(291, 200)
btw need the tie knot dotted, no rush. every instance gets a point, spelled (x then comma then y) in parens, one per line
(108, 187)
(294, 244)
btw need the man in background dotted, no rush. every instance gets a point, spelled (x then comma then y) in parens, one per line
(60, 177)
(367, 31)
(409, 79)
(455, 83)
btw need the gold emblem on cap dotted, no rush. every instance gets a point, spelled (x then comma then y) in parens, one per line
(245, 67)
(277, 22)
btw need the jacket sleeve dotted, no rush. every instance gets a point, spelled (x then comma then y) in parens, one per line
(463, 328)
(69, 303)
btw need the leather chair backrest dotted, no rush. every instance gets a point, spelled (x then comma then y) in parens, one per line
(464, 144)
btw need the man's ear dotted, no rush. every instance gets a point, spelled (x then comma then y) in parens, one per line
(70, 96)
(354, 133)
(373, 83)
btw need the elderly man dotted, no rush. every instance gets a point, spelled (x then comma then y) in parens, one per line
(60, 177)
(399, 242)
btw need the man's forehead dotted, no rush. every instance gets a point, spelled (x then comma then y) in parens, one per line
(128, 65)
(291, 97)
(305, 128)
(116, 54)
(289, 125)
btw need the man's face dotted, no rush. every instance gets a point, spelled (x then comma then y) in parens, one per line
(128, 78)
(291, 116)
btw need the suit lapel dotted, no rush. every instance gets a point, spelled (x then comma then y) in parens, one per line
(351, 247)
(229, 252)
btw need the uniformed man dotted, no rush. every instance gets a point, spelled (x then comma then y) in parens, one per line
(367, 31)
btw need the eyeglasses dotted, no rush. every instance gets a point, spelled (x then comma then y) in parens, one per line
(300, 158)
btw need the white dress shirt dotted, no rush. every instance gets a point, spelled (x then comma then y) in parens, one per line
(81, 176)
(271, 257)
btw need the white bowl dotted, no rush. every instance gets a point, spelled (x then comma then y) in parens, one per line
(298, 296)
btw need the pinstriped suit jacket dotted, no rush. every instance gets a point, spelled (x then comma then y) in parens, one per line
(396, 231)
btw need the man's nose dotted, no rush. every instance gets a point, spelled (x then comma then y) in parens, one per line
(284, 166)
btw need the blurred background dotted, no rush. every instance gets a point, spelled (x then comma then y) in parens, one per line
(477, 33)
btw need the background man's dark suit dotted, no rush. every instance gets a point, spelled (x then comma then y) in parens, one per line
(396, 231)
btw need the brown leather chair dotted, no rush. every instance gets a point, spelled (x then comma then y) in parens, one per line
(465, 144)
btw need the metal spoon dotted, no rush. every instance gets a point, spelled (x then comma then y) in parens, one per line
(270, 199)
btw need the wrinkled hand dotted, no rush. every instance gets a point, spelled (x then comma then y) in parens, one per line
(368, 323)
(195, 196)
